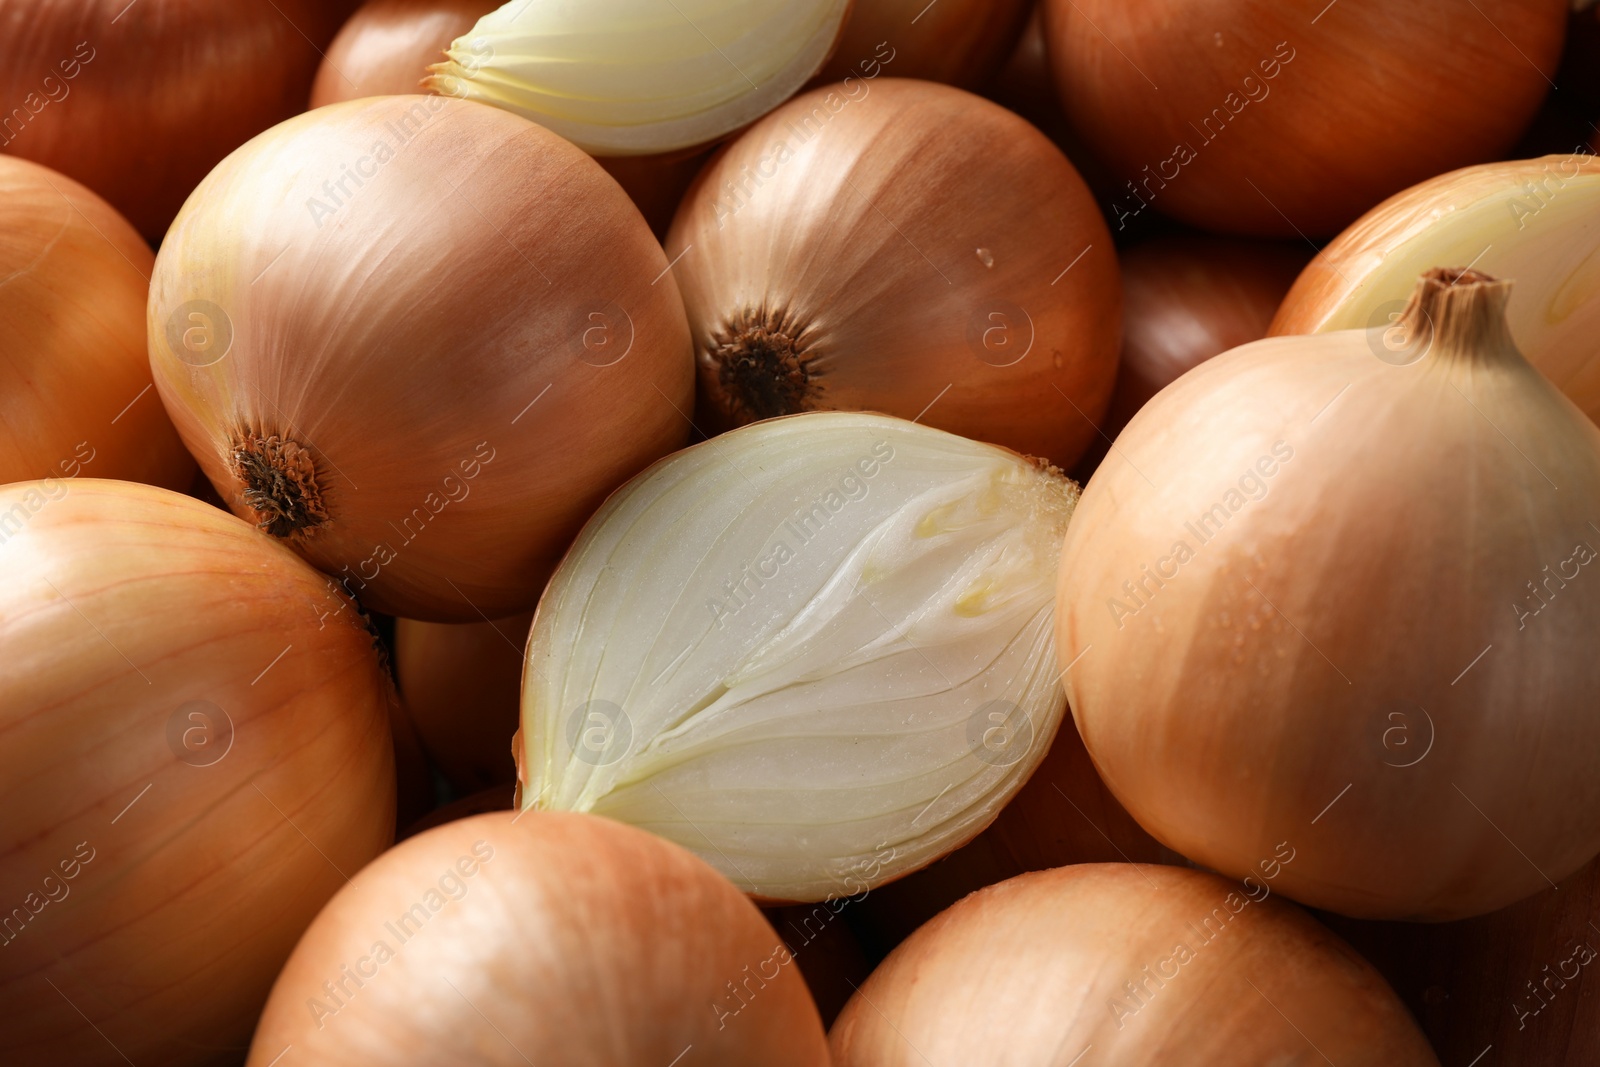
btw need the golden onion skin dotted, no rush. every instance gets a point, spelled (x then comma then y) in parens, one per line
(543, 938)
(1141, 965)
(386, 46)
(196, 755)
(1299, 597)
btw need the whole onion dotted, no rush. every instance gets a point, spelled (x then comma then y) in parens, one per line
(544, 939)
(831, 258)
(419, 340)
(959, 42)
(139, 100)
(1123, 966)
(196, 755)
(1332, 589)
(75, 391)
(1289, 119)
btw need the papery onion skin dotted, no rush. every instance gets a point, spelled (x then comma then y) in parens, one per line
(386, 46)
(1536, 221)
(547, 939)
(1269, 119)
(639, 78)
(834, 258)
(815, 651)
(75, 392)
(181, 856)
(1288, 673)
(462, 687)
(393, 339)
(1044, 967)
(138, 101)
(959, 43)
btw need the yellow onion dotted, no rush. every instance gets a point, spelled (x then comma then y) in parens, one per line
(1283, 120)
(75, 391)
(1334, 589)
(1118, 965)
(815, 651)
(638, 77)
(543, 939)
(139, 100)
(386, 46)
(1536, 221)
(420, 340)
(462, 685)
(832, 258)
(196, 755)
(959, 42)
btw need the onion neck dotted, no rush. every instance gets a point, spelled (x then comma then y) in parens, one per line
(763, 365)
(1459, 312)
(280, 483)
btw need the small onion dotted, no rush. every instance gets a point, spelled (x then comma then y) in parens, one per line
(638, 77)
(1333, 589)
(75, 393)
(1118, 965)
(1276, 119)
(832, 258)
(815, 651)
(356, 319)
(196, 754)
(539, 939)
(959, 42)
(139, 100)
(1534, 220)
(462, 686)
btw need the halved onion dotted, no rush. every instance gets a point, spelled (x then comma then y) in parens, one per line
(195, 755)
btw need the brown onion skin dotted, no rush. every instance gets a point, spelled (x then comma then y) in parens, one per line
(1468, 982)
(573, 940)
(386, 46)
(863, 252)
(462, 687)
(958, 42)
(203, 873)
(75, 390)
(1373, 97)
(1028, 973)
(405, 346)
(168, 88)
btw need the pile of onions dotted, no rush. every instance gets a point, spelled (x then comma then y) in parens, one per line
(1142, 965)
(462, 686)
(959, 42)
(1533, 220)
(1253, 592)
(638, 77)
(196, 756)
(75, 393)
(544, 939)
(419, 340)
(138, 101)
(815, 651)
(830, 259)
(1261, 117)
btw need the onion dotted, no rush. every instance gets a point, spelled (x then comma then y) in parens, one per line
(196, 755)
(462, 684)
(1522, 979)
(831, 259)
(160, 90)
(380, 295)
(815, 651)
(1534, 220)
(1254, 595)
(1188, 298)
(556, 939)
(1274, 119)
(75, 392)
(960, 42)
(1142, 965)
(636, 77)
(385, 48)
